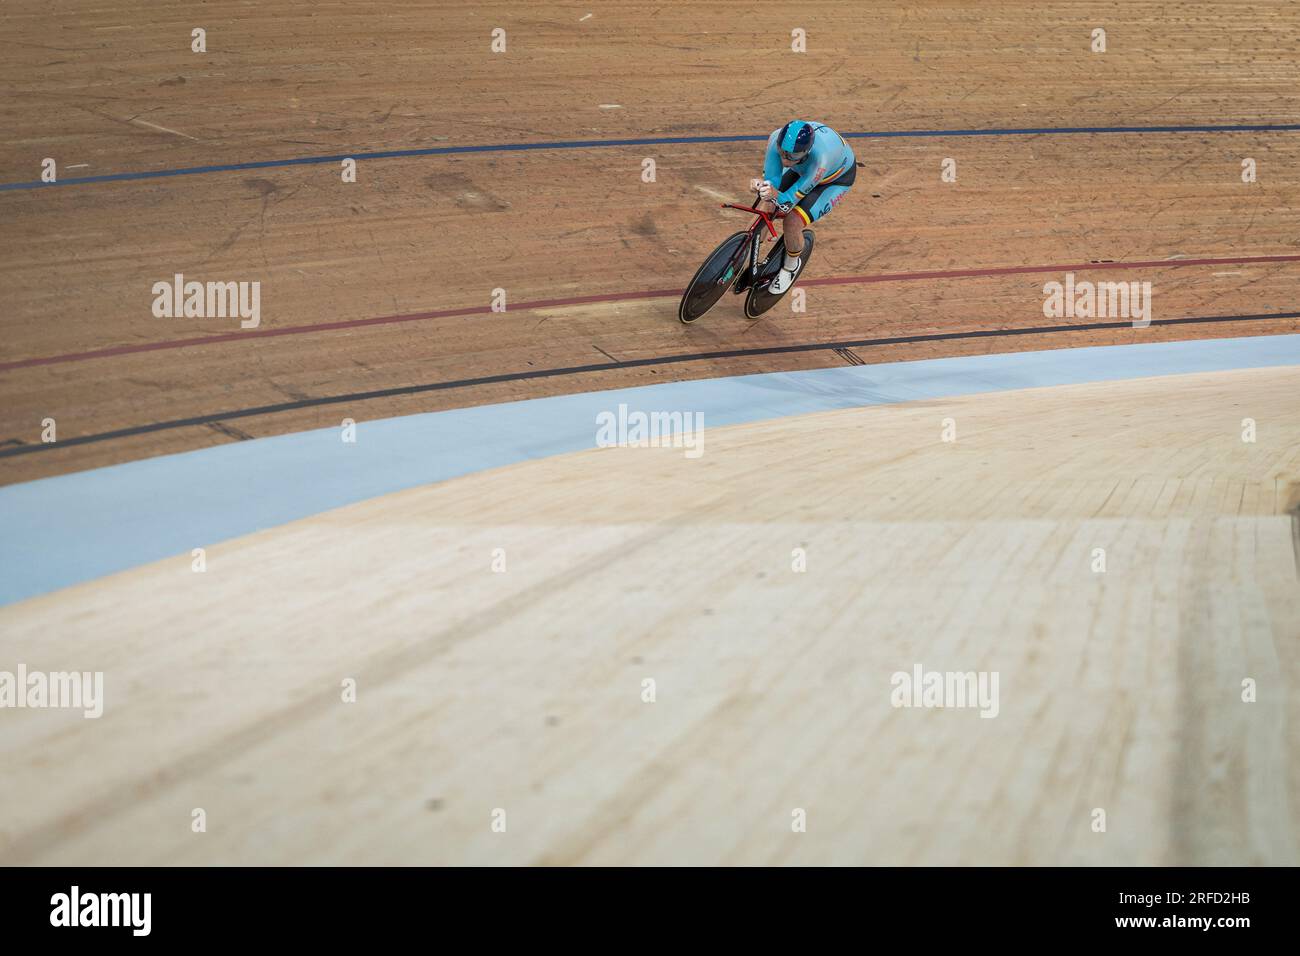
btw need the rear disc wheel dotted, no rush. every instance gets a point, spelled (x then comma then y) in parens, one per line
(759, 299)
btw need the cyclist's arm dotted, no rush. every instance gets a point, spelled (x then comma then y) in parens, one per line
(801, 186)
(772, 168)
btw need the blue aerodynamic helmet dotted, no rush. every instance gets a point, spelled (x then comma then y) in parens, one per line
(794, 141)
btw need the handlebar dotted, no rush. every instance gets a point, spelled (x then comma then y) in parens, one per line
(766, 217)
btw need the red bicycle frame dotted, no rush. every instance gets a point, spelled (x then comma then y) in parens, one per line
(734, 265)
(754, 238)
(763, 217)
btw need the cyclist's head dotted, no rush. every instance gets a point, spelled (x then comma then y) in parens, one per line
(794, 142)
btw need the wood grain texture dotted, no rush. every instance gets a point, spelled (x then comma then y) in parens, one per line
(521, 690)
(115, 87)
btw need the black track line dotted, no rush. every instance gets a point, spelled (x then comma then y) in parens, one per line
(10, 452)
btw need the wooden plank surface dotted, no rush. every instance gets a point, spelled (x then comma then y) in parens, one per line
(116, 88)
(522, 690)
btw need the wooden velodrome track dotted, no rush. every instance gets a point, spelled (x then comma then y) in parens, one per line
(522, 690)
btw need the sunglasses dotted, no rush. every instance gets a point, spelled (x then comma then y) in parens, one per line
(791, 157)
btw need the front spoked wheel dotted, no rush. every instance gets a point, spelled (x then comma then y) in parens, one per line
(759, 299)
(713, 278)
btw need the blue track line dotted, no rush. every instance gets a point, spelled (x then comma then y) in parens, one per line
(651, 141)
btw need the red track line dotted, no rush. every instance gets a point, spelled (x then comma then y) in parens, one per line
(1024, 270)
(617, 297)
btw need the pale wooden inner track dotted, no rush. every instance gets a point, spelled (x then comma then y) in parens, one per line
(283, 80)
(522, 690)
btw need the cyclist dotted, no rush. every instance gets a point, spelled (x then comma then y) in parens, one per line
(808, 169)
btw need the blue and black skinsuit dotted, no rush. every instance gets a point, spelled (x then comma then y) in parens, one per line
(819, 181)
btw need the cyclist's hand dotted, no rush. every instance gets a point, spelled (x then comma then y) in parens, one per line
(765, 190)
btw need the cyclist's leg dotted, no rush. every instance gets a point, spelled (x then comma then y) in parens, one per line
(822, 200)
(810, 208)
(827, 199)
(793, 225)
